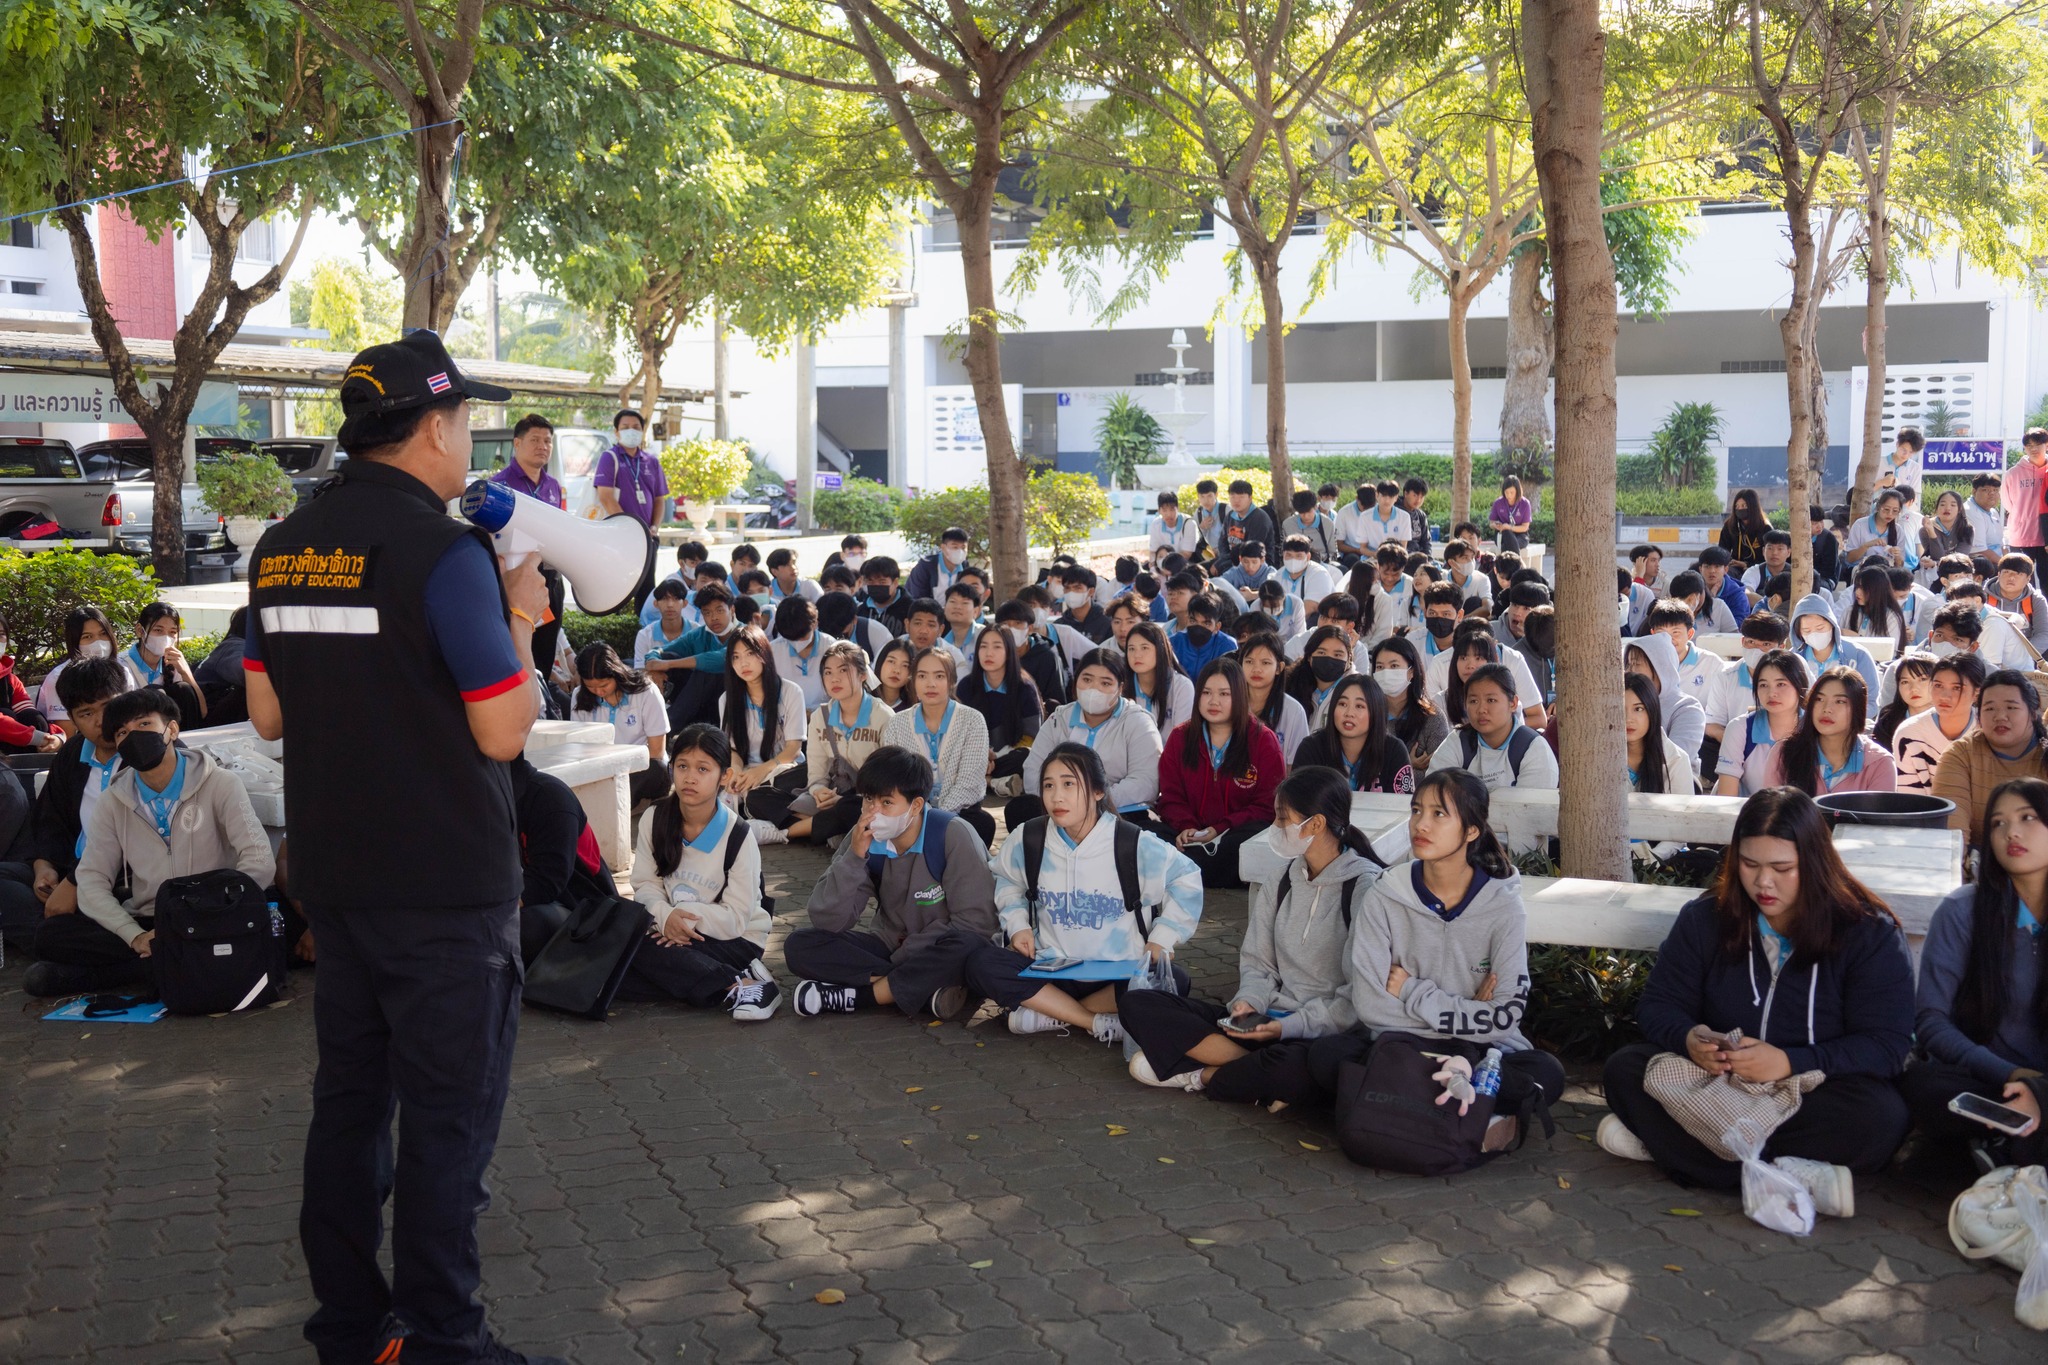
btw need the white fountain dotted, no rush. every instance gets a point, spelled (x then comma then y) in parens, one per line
(1180, 468)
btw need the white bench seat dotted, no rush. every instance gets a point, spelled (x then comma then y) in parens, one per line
(600, 775)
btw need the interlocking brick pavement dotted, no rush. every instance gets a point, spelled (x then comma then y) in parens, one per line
(672, 1186)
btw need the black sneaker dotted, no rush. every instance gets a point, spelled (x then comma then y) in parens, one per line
(496, 1352)
(1988, 1154)
(59, 978)
(814, 998)
(949, 1003)
(752, 1000)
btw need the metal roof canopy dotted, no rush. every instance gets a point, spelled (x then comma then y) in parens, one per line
(243, 363)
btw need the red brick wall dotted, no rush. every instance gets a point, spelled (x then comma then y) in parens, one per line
(141, 282)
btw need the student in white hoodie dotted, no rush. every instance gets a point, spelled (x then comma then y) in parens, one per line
(1439, 953)
(1120, 732)
(1080, 910)
(697, 870)
(1293, 973)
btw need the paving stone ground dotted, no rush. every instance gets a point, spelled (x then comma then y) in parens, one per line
(671, 1186)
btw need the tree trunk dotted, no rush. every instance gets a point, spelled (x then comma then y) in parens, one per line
(1525, 401)
(1792, 327)
(1461, 403)
(1564, 53)
(427, 253)
(721, 422)
(1267, 264)
(1008, 542)
(1877, 247)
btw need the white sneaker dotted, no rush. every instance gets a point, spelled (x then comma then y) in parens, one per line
(765, 833)
(1615, 1139)
(1024, 1020)
(752, 1001)
(1142, 1073)
(1833, 1187)
(759, 970)
(1108, 1029)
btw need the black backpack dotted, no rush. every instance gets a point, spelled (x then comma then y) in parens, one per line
(217, 948)
(1126, 869)
(1518, 746)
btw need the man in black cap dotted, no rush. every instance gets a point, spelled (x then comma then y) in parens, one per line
(393, 655)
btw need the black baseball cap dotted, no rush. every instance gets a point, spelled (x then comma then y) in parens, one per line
(408, 373)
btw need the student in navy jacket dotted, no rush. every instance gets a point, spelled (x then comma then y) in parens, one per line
(1800, 956)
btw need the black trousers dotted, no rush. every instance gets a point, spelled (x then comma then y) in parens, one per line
(21, 914)
(981, 822)
(770, 801)
(697, 973)
(416, 1017)
(1167, 1027)
(1928, 1087)
(995, 971)
(854, 957)
(1018, 809)
(545, 637)
(1522, 1074)
(1219, 869)
(694, 699)
(1853, 1121)
(79, 940)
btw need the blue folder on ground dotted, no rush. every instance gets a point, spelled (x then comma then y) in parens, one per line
(1088, 969)
(74, 1011)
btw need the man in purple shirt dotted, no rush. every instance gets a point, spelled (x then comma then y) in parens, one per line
(628, 480)
(533, 446)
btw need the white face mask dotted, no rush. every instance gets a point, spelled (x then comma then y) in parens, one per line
(1750, 656)
(96, 649)
(155, 645)
(1392, 681)
(1076, 599)
(1291, 841)
(1018, 635)
(1296, 564)
(890, 826)
(1327, 505)
(3, 646)
(1094, 701)
(631, 437)
(1621, 611)
(1042, 616)
(853, 561)
(954, 556)
(1819, 641)
(1942, 649)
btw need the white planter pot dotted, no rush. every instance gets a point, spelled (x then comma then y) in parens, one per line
(245, 532)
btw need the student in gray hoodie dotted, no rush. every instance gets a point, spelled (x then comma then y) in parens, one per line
(1439, 950)
(1818, 639)
(1293, 969)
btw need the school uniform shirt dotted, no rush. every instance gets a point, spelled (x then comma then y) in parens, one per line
(1917, 747)
(1237, 577)
(635, 717)
(1446, 950)
(1312, 584)
(1202, 797)
(1292, 729)
(652, 640)
(855, 742)
(1320, 529)
(1178, 706)
(1730, 694)
(1349, 530)
(1393, 612)
(1290, 616)
(1987, 527)
(805, 666)
(1191, 657)
(46, 691)
(1697, 672)
(789, 723)
(1081, 910)
(1746, 752)
(912, 908)
(1868, 769)
(1493, 766)
(958, 751)
(1014, 713)
(1126, 740)
(1436, 678)
(727, 906)
(1295, 964)
(806, 588)
(1180, 538)
(1385, 766)
(1866, 534)
(1375, 530)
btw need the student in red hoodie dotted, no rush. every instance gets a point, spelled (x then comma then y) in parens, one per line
(22, 728)
(1217, 775)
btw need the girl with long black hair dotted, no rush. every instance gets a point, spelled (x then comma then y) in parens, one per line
(1875, 610)
(999, 688)
(627, 698)
(1829, 751)
(1356, 742)
(1264, 661)
(1217, 775)
(762, 715)
(1413, 718)
(1152, 678)
(1655, 762)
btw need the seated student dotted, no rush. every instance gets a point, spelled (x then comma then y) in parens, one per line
(1437, 671)
(1822, 645)
(840, 734)
(1356, 740)
(1981, 1017)
(1655, 762)
(697, 870)
(1123, 575)
(1285, 611)
(1248, 573)
(560, 863)
(1309, 524)
(1710, 614)
(88, 634)
(1646, 566)
(1712, 567)
(1264, 662)
(667, 627)
(1101, 890)
(1829, 751)
(1685, 720)
(1778, 683)
(1728, 694)
(889, 680)
(952, 736)
(1293, 967)
(1119, 731)
(154, 660)
(1968, 625)
(2005, 746)
(219, 676)
(762, 715)
(1777, 553)
(1493, 744)
(1008, 701)
(925, 626)
(80, 776)
(1082, 613)
(799, 646)
(962, 608)
(1153, 679)
(1922, 739)
(839, 617)
(1326, 657)
(1469, 591)
(1392, 599)
(1907, 690)
(1411, 717)
(883, 600)
(1873, 610)
(1886, 530)
(168, 812)
(783, 579)
(1302, 576)
(1697, 669)
(2014, 593)
(1203, 641)
(21, 910)
(607, 690)
(1439, 951)
(694, 666)
(690, 555)
(1126, 611)
(1149, 592)
(1037, 655)
(934, 897)
(23, 729)
(1916, 604)
(1217, 774)
(1468, 655)
(1171, 532)
(1798, 955)
(1383, 521)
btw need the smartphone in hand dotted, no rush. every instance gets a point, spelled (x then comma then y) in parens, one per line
(1991, 1114)
(1243, 1023)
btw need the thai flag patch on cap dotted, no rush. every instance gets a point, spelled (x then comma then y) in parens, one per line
(438, 382)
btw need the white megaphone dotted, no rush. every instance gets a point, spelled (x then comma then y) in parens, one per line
(604, 560)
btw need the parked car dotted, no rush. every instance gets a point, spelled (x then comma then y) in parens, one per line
(310, 460)
(572, 464)
(45, 494)
(127, 463)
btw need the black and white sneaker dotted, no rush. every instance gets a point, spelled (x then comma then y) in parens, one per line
(949, 1003)
(759, 970)
(752, 1001)
(814, 998)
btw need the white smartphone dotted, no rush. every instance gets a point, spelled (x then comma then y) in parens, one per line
(1991, 1114)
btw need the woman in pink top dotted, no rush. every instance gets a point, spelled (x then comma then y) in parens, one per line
(1829, 751)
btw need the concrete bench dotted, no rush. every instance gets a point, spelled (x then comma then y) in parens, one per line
(600, 775)
(548, 734)
(1881, 648)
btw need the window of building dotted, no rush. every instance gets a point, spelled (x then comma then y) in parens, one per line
(22, 232)
(24, 286)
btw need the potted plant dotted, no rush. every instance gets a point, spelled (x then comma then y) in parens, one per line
(246, 490)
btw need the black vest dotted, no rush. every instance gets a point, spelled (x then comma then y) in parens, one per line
(389, 801)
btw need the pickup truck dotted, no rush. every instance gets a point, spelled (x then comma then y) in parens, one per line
(310, 460)
(127, 464)
(46, 495)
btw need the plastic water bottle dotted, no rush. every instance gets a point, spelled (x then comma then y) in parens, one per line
(1486, 1080)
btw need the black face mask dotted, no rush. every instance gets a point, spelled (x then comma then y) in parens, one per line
(1200, 635)
(880, 596)
(143, 749)
(1327, 669)
(1440, 626)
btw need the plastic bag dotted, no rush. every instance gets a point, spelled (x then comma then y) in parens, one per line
(1155, 973)
(2030, 1196)
(1769, 1196)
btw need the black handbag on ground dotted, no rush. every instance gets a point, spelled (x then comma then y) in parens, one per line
(580, 969)
(217, 948)
(1388, 1117)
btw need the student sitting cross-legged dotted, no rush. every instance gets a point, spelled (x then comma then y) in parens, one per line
(843, 732)
(697, 869)
(1810, 968)
(928, 875)
(1293, 973)
(168, 812)
(1078, 884)
(1118, 729)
